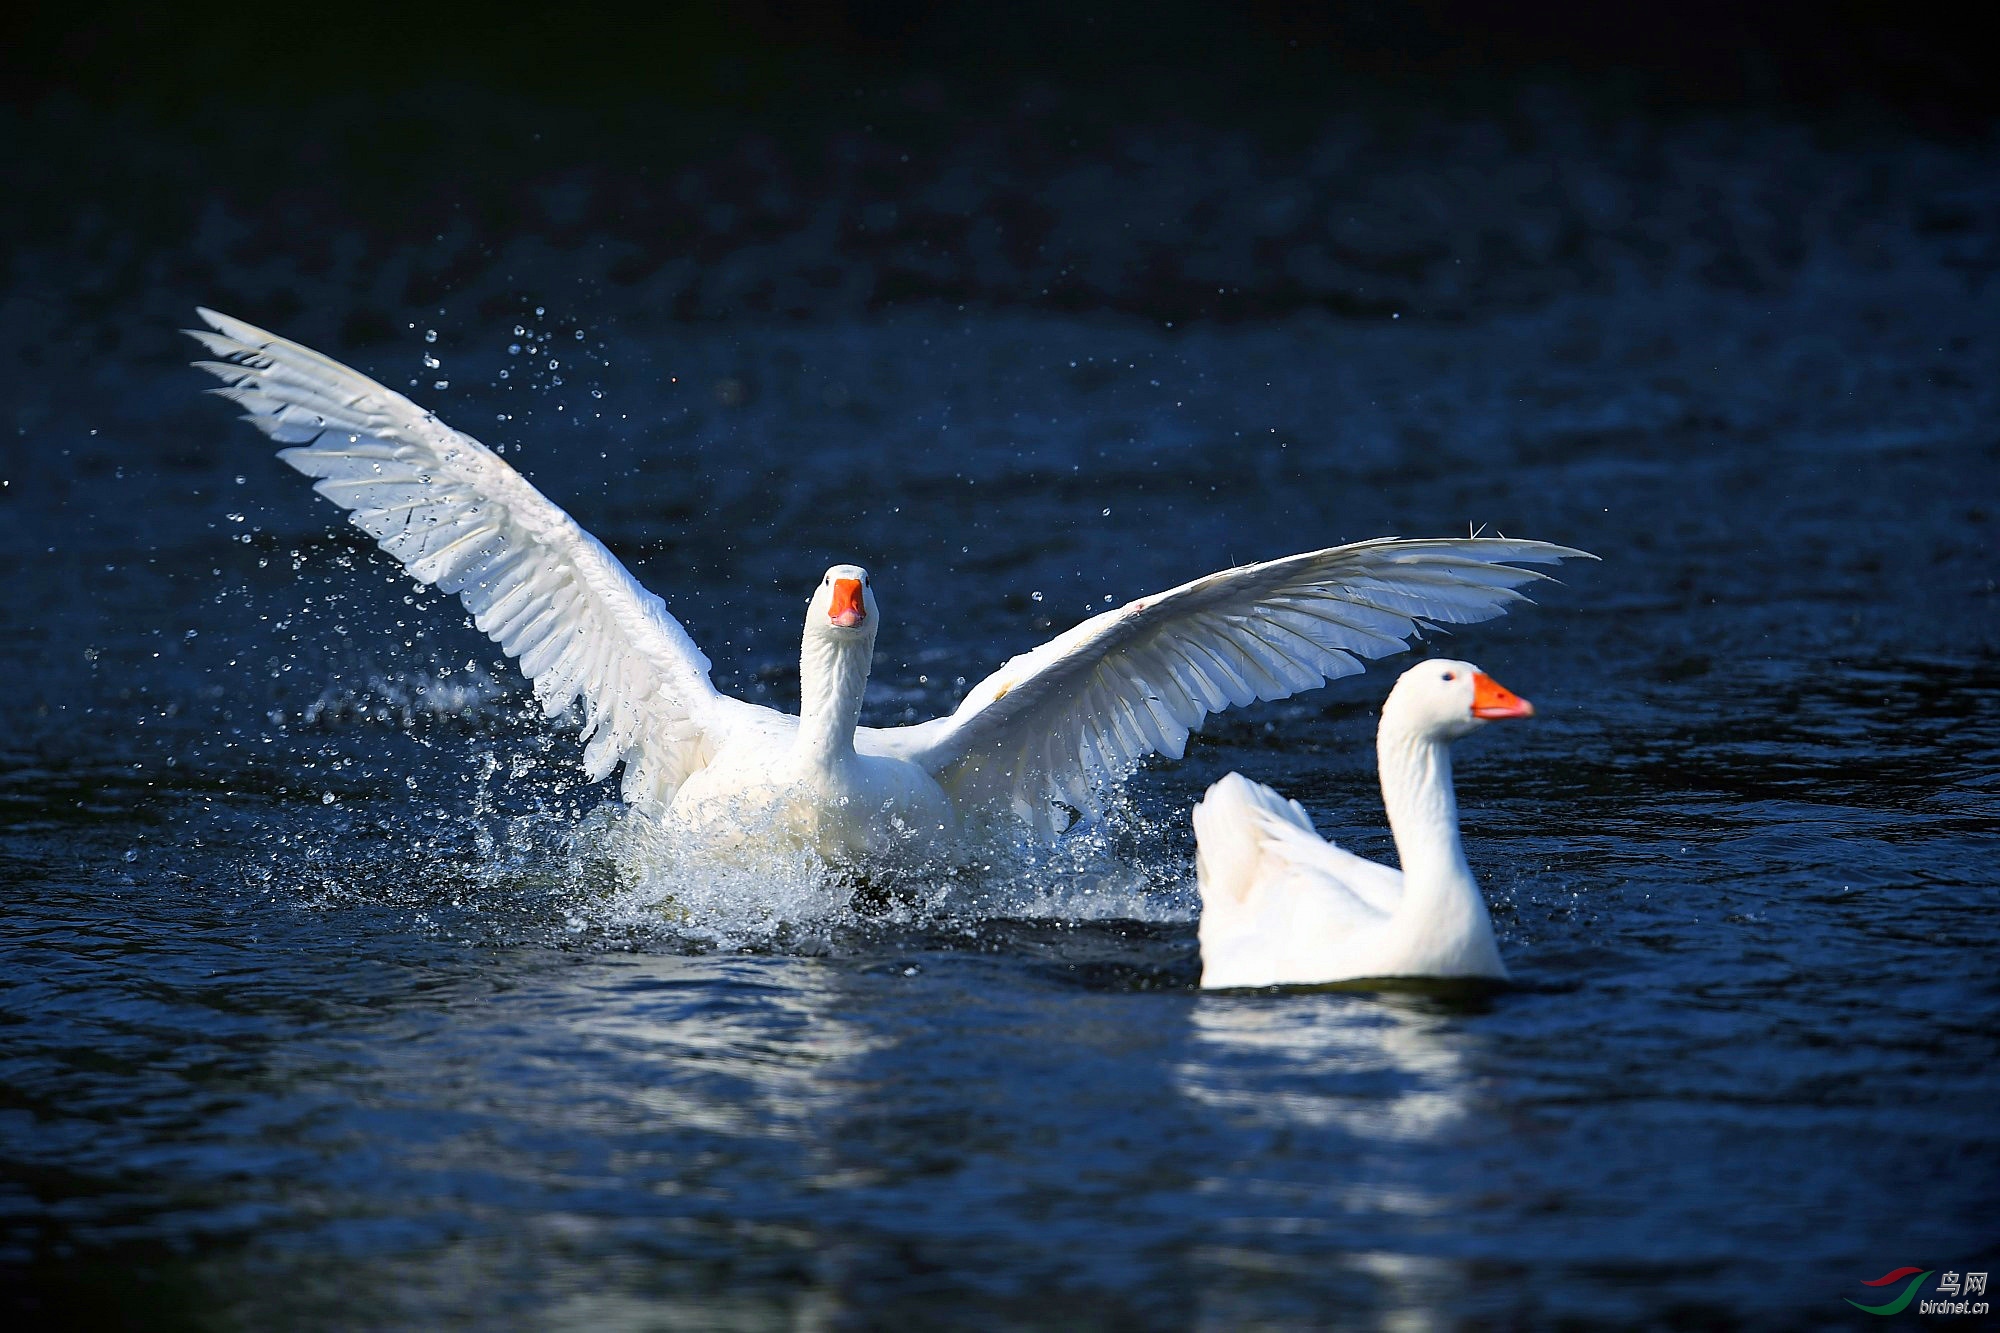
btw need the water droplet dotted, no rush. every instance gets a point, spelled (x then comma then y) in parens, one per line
(131, 853)
(326, 799)
(430, 335)
(1037, 594)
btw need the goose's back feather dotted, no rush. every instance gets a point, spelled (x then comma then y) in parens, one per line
(1250, 840)
(1274, 896)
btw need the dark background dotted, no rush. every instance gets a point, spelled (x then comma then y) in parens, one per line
(683, 134)
(1203, 60)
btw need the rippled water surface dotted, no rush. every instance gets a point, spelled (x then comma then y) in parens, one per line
(325, 1000)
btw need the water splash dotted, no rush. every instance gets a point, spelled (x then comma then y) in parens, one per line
(672, 889)
(506, 843)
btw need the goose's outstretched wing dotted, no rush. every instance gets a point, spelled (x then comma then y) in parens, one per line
(1062, 724)
(457, 516)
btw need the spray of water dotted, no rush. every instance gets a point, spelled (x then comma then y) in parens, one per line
(498, 838)
(673, 886)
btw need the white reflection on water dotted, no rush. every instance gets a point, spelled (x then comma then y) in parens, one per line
(1386, 1073)
(573, 1130)
(1379, 1068)
(742, 1047)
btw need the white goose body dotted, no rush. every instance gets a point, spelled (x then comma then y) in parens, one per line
(819, 780)
(1280, 906)
(1047, 737)
(857, 808)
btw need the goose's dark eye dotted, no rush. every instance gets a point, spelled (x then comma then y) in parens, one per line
(1451, 675)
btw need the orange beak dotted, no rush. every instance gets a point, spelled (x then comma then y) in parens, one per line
(847, 610)
(1491, 699)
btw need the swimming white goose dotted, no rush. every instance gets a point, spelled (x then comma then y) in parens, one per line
(1281, 906)
(1045, 737)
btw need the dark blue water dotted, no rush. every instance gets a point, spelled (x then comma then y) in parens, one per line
(326, 1002)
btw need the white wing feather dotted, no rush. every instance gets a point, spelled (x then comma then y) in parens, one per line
(1063, 724)
(457, 516)
(1252, 847)
(1364, 889)
(1278, 903)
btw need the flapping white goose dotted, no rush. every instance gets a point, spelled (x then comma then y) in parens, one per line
(1281, 906)
(1041, 740)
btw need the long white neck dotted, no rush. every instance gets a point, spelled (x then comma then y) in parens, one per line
(1423, 808)
(1442, 918)
(833, 676)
